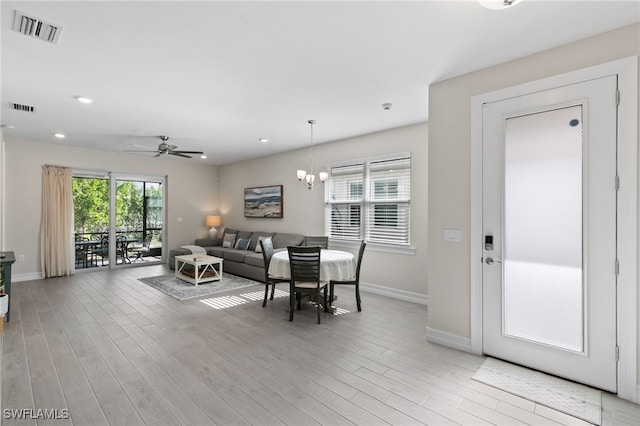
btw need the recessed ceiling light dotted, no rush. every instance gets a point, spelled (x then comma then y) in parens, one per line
(59, 135)
(263, 140)
(84, 99)
(204, 157)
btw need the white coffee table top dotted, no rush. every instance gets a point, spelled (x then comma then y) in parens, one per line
(198, 259)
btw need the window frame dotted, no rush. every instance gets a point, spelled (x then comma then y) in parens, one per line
(367, 203)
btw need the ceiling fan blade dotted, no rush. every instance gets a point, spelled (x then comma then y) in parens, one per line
(157, 155)
(179, 154)
(188, 152)
(136, 150)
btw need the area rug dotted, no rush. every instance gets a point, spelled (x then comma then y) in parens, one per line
(183, 290)
(570, 398)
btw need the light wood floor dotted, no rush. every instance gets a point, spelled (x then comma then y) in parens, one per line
(114, 351)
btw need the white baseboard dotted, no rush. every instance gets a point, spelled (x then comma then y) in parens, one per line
(26, 277)
(407, 296)
(447, 339)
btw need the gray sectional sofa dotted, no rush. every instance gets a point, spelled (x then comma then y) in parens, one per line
(244, 262)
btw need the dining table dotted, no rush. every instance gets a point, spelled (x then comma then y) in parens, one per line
(334, 265)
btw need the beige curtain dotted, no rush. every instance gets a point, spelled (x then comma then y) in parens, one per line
(56, 232)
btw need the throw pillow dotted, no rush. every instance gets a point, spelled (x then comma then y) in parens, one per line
(228, 241)
(258, 246)
(242, 243)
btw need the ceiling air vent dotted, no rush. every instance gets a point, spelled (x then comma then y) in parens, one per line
(37, 28)
(22, 107)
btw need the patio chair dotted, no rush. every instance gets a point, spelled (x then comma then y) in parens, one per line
(143, 248)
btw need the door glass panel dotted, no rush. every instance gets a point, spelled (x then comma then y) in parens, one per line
(138, 221)
(542, 257)
(91, 221)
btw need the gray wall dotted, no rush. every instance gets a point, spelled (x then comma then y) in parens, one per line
(403, 274)
(449, 161)
(192, 192)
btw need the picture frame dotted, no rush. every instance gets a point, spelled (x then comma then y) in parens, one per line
(264, 202)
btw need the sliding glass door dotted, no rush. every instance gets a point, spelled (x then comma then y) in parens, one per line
(119, 219)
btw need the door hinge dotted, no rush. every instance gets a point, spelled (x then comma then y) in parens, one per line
(617, 267)
(617, 183)
(617, 353)
(617, 97)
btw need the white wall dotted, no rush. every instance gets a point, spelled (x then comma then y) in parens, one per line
(304, 209)
(449, 161)
(192, 193)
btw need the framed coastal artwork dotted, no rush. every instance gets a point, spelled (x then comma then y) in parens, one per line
(263, 201)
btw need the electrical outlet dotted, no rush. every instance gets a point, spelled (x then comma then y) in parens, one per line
(179, 220)
(21, 258)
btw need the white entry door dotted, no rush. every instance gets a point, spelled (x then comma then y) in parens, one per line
(549, 231)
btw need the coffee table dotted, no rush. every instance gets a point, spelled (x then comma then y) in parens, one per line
(198, 268)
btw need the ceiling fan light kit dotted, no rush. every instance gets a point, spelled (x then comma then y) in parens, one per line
(164, 148)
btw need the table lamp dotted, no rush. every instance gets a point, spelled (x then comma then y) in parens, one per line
(213, 221)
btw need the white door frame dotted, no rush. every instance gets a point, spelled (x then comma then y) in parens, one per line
(627, 330)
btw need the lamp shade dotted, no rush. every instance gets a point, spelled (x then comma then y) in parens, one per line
(213, 220)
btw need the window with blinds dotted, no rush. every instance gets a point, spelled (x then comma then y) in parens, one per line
(370, 200)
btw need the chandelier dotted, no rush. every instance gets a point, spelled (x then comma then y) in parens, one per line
(308, 179)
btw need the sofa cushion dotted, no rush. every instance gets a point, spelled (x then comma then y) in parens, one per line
(245, 234)
(254, 259)
(254, 239)
(216, 251)
(234, 255)
(282, 240)
(229, 231)
(208, 242)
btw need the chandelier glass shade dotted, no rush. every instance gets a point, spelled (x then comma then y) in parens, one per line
(309, 179)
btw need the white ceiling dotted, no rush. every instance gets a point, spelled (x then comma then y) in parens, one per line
(217, 76)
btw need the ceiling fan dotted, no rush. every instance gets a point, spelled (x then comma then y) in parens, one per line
(165, 148)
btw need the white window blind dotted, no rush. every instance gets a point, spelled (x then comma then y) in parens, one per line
(370, 200)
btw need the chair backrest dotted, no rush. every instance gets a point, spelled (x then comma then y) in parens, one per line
(310, 241)
(363, 245)
(146, 241)
(267, 253)
(304, 263)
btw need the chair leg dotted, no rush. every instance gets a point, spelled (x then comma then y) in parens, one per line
(326, 308)
(358, 296)
(266, 293)
(318, 306)
(273, 289)
(331, 289)
(292, 304)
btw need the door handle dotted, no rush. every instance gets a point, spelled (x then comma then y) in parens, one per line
(491, 260)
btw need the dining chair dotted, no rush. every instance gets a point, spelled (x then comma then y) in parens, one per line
(310, 241)
(305, 277)
(354, 282)
(267, 253)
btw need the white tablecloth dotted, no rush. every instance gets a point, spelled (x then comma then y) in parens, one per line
(334, 265)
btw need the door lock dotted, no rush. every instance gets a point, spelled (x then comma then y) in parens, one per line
(488, 242)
